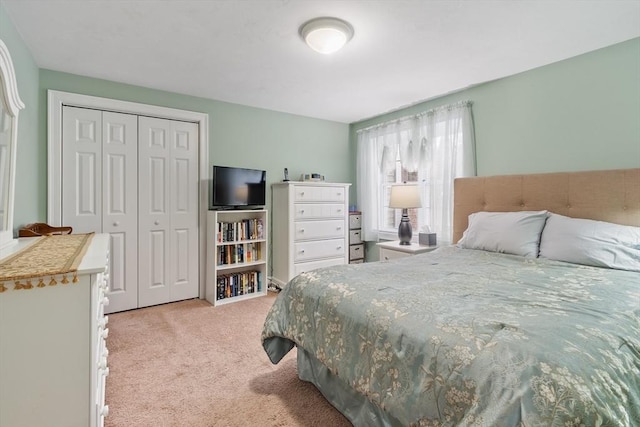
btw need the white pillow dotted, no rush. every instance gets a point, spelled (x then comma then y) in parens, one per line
(589, 242)
(515, 233)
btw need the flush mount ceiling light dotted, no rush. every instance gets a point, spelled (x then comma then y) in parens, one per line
(326, 35)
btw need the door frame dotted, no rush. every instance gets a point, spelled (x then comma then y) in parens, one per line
(57, 99)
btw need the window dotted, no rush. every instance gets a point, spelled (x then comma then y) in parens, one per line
(389, 218)
(430, 149)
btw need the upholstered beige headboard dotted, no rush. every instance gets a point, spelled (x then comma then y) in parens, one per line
(610, 195)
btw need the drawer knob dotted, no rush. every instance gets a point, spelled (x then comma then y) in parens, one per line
(301, 251)
(339, 210)
(301, 211)
(339, 247)
(302, 230)
(338, 228)
(116, 223)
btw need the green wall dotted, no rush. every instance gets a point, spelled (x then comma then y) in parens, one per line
(582, 113)
(238, 135)
(31, 173)
(579, 114)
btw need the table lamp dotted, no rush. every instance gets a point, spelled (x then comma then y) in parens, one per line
(405, 196)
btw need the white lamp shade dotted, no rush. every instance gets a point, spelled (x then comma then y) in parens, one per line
(405, 196)
(326, 35)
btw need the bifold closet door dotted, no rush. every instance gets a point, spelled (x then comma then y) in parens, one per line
(168, 211)
(99, 190)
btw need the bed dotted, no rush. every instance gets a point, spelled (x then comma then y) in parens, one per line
(492, 331)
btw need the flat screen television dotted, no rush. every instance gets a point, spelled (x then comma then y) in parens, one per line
(235, 188)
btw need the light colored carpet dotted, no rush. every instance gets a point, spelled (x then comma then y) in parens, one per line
(192, 364)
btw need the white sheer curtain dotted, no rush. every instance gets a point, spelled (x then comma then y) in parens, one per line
(439, 144)
(370, 150)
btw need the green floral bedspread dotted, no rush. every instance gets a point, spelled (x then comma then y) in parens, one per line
(465, 337)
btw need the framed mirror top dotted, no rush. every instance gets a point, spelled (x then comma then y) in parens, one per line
(10, 106)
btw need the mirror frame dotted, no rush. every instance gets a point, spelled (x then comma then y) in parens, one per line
(13, 105)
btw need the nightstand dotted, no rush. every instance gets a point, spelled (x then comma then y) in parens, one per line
(391, 250)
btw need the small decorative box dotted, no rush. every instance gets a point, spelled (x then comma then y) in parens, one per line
(427, 239)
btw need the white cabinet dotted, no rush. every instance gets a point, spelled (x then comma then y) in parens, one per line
(310, 227)
(237, 254)
(53, 353)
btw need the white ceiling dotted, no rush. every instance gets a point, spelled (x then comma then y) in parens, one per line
(249, 52)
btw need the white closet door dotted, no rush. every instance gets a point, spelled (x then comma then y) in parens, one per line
(99, 191)
(168, 211)
(82, 169)
(120, 207)
(184, 205)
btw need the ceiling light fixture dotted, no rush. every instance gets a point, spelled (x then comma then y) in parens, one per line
(326, 35)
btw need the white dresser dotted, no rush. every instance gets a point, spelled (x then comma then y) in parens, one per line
(310, 227)
(53, 356)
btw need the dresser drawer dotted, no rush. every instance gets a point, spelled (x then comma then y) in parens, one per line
(354, 237)
(319, 249)
(301, 267)
(356, 251)
(308, 230)
(308, 193)
(313, 211)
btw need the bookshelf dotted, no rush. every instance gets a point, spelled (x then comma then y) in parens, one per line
(237, 253)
